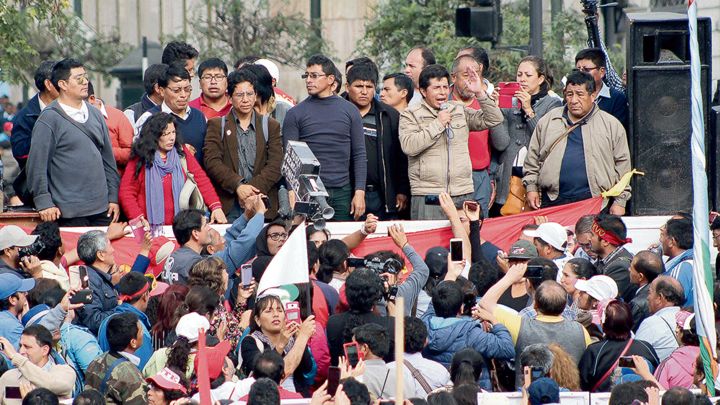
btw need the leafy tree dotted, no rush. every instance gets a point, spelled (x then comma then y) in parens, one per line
(400, 25)
(239, 28)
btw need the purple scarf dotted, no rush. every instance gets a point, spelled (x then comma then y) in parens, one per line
(154, 196)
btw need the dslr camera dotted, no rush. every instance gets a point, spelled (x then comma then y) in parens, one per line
(32, 250)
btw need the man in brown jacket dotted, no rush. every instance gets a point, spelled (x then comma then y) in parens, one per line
(434, 134)
(241, 159)
(576, 151)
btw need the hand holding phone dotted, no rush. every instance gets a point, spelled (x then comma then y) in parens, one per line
(626, 361)
(333, 380)
(292, 313)
(456, 249)
(352, 353)
(83, 296)
(246, 275)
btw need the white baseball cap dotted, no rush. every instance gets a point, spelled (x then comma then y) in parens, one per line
(271, 67)
(190, 324)
(11, 235)
(551, 233)
(599, 287)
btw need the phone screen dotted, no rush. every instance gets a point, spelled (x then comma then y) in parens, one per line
(534, 271)
(84, 281)
(535, 373)
(351, 354)
(456, 250)
(333, 380)
(626, 361)
(12, 393)
(246, 274)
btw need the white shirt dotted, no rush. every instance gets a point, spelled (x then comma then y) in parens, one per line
(434, 373)
(219, 393)
(131, 357)
(78, 114)
(416, 98)
(659, 330)
(164, 108)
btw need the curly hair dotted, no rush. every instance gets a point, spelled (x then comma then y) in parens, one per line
(564, 369)
(208, 272)
(146, 144)
(178, 354)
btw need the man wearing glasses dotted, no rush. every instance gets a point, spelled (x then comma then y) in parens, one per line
(175, 88)
(71, 168)
(213, 101)
(613, 102)
(332, 127)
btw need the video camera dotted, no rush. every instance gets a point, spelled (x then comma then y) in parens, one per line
(32, 250)
(390, 265)
(301, 170)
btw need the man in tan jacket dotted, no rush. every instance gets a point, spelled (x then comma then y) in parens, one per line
(36, 367)
(576, 151)
(434, 135)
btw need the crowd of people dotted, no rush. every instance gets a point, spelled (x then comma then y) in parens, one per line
(565, 309)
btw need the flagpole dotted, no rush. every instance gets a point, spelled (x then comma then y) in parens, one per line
(702, 275)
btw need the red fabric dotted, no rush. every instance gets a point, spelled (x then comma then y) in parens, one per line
(321, 353)
(121, 136)
(320, 306)
(503, 231)
(479, 144)
(284, 394)
(284, 96)
(208, 111)
(132, 190)
(203, 375)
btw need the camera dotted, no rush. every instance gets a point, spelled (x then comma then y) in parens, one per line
(390, 265)
(32, 250)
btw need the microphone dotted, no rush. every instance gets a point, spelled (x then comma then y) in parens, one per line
(284, 209)
(448, 130)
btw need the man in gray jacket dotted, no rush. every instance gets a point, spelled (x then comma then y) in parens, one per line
(71, 169)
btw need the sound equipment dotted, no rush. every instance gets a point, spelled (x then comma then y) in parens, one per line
(658, 58)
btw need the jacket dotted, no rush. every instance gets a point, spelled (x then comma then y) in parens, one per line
(134, 111)
(143, 352)
(132, 189)
(516, 130)
(639, 306)
(21, 134)
(58, 378)
(434, 165)
(222, 160)
(678, 369)
(607, 157)
(394, 163)
(125, 385)
(600, 356)
(104, 300)
(446, 336)
(121, 135)
(79, 348)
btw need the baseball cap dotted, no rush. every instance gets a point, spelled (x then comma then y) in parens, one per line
(522, 249)
(599, 287)
(12, 235)
(190, 324)
(436, 260)
(544, 391)
(35, 314)
(215, 359)
(167, 379)
(10, 284)
(552, 233)
(160, 250)
(271, 67)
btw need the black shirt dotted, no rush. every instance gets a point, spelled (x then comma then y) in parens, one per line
(371, 147)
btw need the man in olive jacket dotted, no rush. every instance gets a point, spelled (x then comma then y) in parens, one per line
(434, 134)
(577, 151)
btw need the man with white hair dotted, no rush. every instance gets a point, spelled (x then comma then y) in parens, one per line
(280, 96)
(95, 250)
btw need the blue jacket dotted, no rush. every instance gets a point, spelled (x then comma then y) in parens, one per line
(143, 352)
(449, 335)
(681, 269)
(23, 124)
(79, 348)
(104, 300)
(10, 328)
(240, 242)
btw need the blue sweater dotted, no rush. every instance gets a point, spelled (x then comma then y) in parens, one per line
(332, 128)
(616, 105)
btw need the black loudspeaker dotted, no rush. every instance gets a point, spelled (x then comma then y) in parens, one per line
(714, 137)
(658, 58)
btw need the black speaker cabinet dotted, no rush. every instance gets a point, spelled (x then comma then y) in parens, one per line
(658, 56)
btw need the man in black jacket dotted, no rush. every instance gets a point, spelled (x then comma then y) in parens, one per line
(645, 267)
(388, 189)
(608, 240)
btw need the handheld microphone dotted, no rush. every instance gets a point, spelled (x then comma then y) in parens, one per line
(448, 130)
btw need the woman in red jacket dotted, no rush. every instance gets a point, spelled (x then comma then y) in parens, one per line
(154, 176)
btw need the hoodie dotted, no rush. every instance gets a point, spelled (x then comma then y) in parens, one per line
(677, 370)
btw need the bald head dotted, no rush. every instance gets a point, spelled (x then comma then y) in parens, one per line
(665, 291)
(647, 267)
(550, 298)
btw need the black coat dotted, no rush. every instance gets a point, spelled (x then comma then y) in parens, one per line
(600, 356)
(23, 124)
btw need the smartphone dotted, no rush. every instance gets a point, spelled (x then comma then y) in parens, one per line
(84, 280)
(138, 229)
(292, 312)
(333, 380)
(472, 205)
(246, 275)
(535, 373)
(507, 92)
(432, 200)
(12, 393)
(534, 271)
(626, 361)
(456, 249)
(352, 353)
(82, 297)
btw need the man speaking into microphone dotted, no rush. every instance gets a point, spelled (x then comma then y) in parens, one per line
(434, 135)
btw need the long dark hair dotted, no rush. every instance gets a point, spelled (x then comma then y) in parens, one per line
(169, 302)
(146, 144)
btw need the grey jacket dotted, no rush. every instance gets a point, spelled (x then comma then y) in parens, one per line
(519, 132)
(68, 170)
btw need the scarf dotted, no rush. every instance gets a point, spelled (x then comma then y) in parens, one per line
(261, 337)
(154, 195)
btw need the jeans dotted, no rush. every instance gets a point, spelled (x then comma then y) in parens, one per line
(422, 211)
(339, 199)
(375, 204)
(483, 189)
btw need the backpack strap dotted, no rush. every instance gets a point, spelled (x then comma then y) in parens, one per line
(418, 376)
(108, 374)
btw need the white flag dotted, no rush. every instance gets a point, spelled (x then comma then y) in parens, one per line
(290, 264)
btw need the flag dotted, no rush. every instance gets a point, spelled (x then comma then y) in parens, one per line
(702, 275)
(203, 376)
(290, 264)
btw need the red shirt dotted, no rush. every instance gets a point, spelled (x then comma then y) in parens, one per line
(121, 135)
(479, 144)
(132, 190)
(284, 394)
(209, 112)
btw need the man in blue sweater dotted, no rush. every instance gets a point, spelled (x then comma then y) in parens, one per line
(191, 124)
(332, 127)
(613, 102)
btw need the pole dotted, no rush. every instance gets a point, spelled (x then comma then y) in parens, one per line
(536, 42)
(144, 56)
(315, 22)
(399, 349)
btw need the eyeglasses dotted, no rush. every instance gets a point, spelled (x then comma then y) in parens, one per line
(241, 96)
(276, 236)
(209, 78)
(179, 90)
(313, 75)
(588, 69)
(81, 79)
